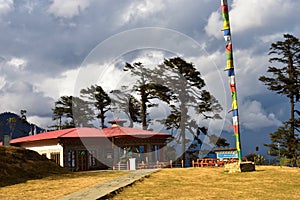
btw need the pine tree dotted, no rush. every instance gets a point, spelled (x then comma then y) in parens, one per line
(282, 142)
(98, 98)
(72, 112)
(63, 112)
(285, 81)
(187, 86)
(147, 89)
(126, 103)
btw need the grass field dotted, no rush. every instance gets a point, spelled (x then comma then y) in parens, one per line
(56, 186)
(268, 182)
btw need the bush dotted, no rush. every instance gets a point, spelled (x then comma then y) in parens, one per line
(257, 159)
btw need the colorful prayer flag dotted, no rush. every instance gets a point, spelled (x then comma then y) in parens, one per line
(234, 104)
(231, 72)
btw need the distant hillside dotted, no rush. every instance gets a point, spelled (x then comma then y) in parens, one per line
(22, 128)
(18, 165)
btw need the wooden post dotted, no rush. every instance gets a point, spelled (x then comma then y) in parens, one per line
(182, 164)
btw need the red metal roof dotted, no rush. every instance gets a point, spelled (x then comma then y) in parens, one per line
(118, 131)
(65, 133)
(84, 132)
(114, 131)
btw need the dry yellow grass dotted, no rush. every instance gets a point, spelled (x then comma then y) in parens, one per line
(268, 182)
(53, 187)
(18, 165)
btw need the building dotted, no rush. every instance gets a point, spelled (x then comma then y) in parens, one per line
(82, 149)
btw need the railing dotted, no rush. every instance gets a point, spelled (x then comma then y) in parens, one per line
(200, 162)
(143, 165)
(214, 162)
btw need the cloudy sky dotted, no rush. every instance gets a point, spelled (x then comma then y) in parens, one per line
(47, 47)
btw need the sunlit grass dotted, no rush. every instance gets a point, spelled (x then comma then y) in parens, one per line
(53, 187)
(267, 182)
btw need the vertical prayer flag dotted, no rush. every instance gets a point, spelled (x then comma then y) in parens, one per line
(231, 75)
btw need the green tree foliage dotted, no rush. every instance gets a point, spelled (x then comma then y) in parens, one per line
(72, 112)
(188, 92)
(99, 99)
(283, 144)
(256, 158)
(147, 89)
(221, 142)
(285, 78)
(126, 103)
(58, 114)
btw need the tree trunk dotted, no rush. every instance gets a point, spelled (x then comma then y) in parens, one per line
(144, 109)
(183, 120)
(59, 128)
(291, 147)
(102, 118)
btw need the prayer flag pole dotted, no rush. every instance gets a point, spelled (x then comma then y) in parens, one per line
(230, 69)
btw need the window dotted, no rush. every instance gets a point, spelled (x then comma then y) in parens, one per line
(55, 157)
(92, 159)
(71, 159)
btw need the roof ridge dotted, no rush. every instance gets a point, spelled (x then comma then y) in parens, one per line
(71, 130)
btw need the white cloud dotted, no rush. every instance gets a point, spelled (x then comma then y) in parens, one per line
(59, 86)
(69, 8)
(43, 122)
(21, 95)
(271, 37)
(253, 15)
(6, 6)
(17, 63)
(248, 68)
(2, 82)
(214, 25)
(210, 67)
(140, 9)
(253, 116)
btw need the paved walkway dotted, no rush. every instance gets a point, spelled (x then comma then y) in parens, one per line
(103, 190)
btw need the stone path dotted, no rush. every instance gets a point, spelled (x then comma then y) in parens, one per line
(103, 190)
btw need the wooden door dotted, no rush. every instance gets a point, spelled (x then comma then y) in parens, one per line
(82, 160)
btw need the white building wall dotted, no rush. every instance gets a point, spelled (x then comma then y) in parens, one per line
(48, 150)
